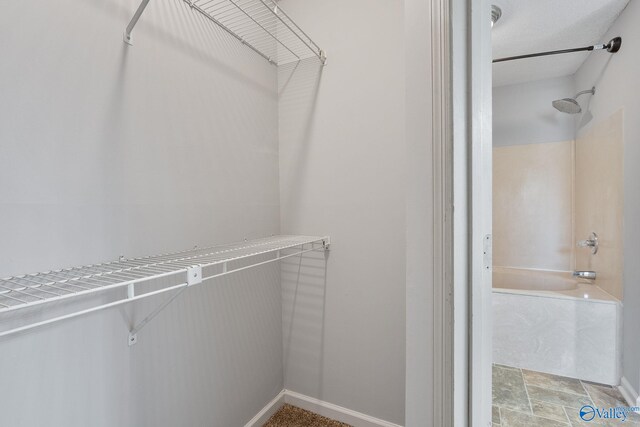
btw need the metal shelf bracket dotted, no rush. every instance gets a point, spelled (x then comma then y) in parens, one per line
(326, 243)
(133, 339)
(136, 16)
(194, 277)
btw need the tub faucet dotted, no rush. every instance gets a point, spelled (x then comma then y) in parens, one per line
(591, 242)
(591, 275)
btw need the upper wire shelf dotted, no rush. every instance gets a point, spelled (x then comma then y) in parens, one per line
(261, 25)
(191, 267)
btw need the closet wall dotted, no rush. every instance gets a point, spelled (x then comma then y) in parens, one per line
(108, 150)
(343, 172)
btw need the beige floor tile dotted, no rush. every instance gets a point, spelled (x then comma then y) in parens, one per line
(548, 410)
(558, 397)
(495, 415)
(509, 390)
(519, 419)
(553, 382)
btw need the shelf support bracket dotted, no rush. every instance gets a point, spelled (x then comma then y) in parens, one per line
(127, 33)
(194, 277)
(326, 243)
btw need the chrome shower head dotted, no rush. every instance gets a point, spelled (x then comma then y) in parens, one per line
(570, 105)
(567, 105)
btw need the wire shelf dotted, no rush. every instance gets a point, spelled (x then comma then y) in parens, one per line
(29, 290)
(261, 25)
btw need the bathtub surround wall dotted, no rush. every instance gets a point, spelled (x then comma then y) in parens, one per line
(599, 200)
(616, 77)
(522, 113)
(533, 206)
(559, 333)
(547, 196)
(108, 150)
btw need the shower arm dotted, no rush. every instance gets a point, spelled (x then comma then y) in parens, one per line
(584, 92)
(612, 47)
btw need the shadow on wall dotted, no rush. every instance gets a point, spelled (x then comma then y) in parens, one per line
(102, 139)
(298, 88)
(215, 343)
(587, 116)
(185, 31)
(299, 81)
(304, 281)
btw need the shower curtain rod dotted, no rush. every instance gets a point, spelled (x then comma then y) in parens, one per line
(612, 47)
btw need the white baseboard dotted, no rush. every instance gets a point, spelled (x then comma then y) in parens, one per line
(627, 391)
(334, 412)
(263, 416)
(320, 407)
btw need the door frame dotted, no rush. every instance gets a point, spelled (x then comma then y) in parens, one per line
(473, 227)
(462, 164)
(449, 151)
(479, 185)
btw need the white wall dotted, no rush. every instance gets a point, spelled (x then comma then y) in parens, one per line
(420, 375)
(460, 112)
(523, 114)
(617, 86)
(342, 173)
(109, 150)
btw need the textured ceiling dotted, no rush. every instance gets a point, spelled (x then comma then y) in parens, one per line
(529, 26)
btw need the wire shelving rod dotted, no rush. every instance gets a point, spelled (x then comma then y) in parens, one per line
(186, 267)
(261, 25)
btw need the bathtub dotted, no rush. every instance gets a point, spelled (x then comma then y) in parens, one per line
(550, 322)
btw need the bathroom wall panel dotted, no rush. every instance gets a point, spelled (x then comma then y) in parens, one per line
(573, 337)
(533, 206)
(617, 84)
(599, 196)
(522, 113)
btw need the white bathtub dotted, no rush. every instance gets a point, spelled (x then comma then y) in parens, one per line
(550, 322)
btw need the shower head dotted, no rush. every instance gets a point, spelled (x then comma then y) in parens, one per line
(567, 105)
(570, 105)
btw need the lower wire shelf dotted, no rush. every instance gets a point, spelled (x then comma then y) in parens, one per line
(195, 266)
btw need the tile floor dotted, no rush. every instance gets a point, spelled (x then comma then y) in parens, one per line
(524, 398)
